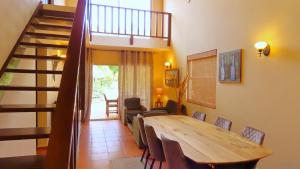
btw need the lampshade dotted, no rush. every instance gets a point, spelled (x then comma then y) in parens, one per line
(260, 45)
(159, 91)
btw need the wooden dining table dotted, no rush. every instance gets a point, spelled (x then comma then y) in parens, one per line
(205, 143)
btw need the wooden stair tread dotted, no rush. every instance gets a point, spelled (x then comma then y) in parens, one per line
(53, 13)
(51, 26)
(33, 71)
(47, 35)
(26, 108)
(22, 162)
(54, 18)
(38, 57)
(46, 45)
(27, 88)
(24, 133)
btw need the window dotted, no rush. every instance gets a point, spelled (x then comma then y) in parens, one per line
(202, 71)
(106, 17)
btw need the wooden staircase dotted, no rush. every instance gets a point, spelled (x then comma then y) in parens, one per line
(47, 29)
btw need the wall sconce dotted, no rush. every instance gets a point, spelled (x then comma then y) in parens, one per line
(262, 47)
(168, 65)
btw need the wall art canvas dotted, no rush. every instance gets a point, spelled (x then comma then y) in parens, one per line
(172, 78)
(230, 66)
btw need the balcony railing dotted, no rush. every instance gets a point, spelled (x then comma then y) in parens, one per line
(114, 20)
(46, 1)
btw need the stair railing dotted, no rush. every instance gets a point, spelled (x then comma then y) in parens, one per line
(63, 142)
(46, 1)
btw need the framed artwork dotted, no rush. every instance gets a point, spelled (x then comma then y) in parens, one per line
(172, 78)
(230, 66)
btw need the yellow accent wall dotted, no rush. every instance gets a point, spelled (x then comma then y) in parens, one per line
(102, 57)
(268, 97)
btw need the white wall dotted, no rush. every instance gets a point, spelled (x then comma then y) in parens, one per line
(123, 42)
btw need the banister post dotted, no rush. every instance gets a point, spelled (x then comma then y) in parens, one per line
(82, 75)
(169, 29)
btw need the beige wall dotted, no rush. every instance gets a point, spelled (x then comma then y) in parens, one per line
(14, 15)
(72, 3)
(59, 2)
(268, 97)
(13, 23)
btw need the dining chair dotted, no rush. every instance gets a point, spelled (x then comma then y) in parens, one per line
(254, 135)
(154, 146)
(223, 123)
(112, 105)
(199, 116)
(144, 139)
(175, 158)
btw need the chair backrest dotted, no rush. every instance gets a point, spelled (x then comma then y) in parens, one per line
(174, 155)
(105, 97)
(142, 129)
(132, 103)
(254, 135)
(154, 144)
(223, 123)
(171, 107)
(199, 116)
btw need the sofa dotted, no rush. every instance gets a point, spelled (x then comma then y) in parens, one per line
(170, 108)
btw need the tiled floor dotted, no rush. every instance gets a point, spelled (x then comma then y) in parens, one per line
(102, 141)
(98, 111)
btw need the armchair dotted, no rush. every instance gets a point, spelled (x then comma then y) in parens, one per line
(133, 107)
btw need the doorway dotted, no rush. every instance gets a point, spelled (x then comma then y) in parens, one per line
(105, 92)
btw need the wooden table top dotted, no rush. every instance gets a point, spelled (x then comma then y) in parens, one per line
(205, 143)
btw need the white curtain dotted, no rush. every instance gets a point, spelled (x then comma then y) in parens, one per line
(89, 83)
(135, 78)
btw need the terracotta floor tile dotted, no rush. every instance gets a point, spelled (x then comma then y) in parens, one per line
(102, 141)
(114, 155)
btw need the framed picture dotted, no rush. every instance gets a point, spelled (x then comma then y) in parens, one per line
(230, 66)
(172, 78)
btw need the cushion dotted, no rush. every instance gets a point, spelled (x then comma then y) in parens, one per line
(155, 113)
(171, 107)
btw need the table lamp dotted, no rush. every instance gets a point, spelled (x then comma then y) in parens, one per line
(158, 92)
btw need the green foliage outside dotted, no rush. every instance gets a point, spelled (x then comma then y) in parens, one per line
(105, 81)
(7, 78)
